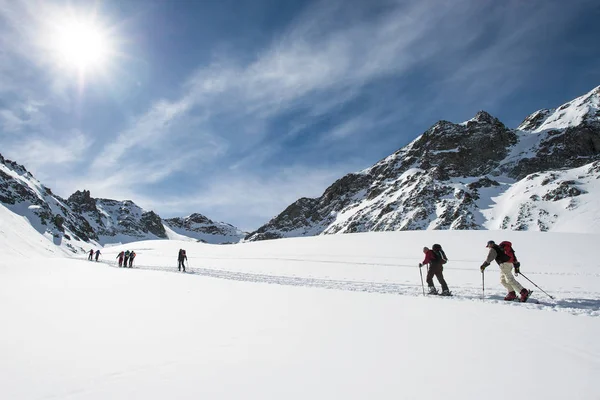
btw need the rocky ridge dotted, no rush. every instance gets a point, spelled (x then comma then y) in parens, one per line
(205, 230)
(450, 176)
(81, 220)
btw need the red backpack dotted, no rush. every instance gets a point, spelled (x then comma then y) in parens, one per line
(506, 247)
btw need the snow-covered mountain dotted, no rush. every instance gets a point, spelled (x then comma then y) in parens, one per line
(205, 230)
(48, 213)
(82, 220)
(117, 221)
(479, 174)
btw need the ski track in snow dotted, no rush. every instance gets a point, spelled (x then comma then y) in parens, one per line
(575, 306)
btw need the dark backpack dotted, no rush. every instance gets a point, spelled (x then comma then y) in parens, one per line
(439, 253)
(506, 247)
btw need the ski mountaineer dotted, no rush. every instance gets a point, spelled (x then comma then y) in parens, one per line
(436, 258)
(120, 257)
(180, 260)
(91, 254)
(131, 257)
(97, 254)
(506, 277)
(126, 258)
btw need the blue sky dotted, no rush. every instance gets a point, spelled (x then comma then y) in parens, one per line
(235, 109)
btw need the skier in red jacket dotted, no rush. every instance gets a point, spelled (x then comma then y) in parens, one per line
(436, 258)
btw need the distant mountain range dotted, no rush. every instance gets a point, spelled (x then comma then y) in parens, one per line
(81, 219)
(479, 174)
(544, 175)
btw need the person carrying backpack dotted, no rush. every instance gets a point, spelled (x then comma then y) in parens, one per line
(180, 260)
(131, 257)
(97, 254)
(120, 257)
(436, 258)
(91, 254)
(506, 247)
(126, 258)
(506, 277)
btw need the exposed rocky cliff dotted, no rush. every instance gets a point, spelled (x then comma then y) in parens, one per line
(452, 176)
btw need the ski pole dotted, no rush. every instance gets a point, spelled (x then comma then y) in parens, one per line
(536, 285)
(482, 285)
(421, 273)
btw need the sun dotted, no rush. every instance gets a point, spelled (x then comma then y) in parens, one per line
(80, 43)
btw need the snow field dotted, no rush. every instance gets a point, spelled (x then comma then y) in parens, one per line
(74, 329)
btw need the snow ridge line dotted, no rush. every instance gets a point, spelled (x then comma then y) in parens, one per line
(575, 306)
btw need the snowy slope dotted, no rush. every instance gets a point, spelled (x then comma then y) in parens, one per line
(571, 114)
(19, 239)
(48, 213)
(561, 201)
(342, 317)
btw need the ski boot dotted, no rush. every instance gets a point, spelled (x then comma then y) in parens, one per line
(446, 293)
(432, 290)
(510, 296)
(524, 295)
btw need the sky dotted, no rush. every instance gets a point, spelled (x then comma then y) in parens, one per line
(236, 109)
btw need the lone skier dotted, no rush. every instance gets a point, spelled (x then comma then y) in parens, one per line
(507, 279)
(436, 258)
(180, 260)
(91, 254)
(120, 257)
(97, 254)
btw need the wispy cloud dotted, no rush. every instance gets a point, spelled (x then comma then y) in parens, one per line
(244, 196)
(38, 152)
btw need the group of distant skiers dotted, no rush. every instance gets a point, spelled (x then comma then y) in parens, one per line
(126, 258)
(435, 258)
(503, 254)
(91, 254)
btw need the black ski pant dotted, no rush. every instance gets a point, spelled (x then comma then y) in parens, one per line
(437, 271)
(180, 265)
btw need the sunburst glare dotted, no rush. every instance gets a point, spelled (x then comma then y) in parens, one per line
(80, 43)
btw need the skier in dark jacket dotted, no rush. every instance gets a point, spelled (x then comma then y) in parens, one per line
(91, 254)
(436, 258)
(126, 258)
(180, 260)
(507, 279)
(131, 257)
(97, 254)
(120, 257)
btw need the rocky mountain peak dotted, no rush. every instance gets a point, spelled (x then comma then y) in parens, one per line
(485, 117)
(451, 176)
(584, 110)
(203, 229)
(82, 201)
(198, 219)
(18, 168)
(535, 120)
